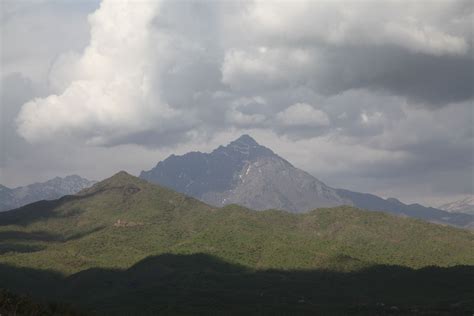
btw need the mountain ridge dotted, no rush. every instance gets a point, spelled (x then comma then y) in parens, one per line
(247, 173)
(465, 205)
(394, 206)
(11, 198)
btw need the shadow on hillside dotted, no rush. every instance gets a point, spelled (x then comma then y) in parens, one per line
(202, 284)
(23, 236)
(18, 236)
(40, 210)
(11, 247)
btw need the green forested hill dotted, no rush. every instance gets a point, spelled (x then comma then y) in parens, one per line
(96, 245)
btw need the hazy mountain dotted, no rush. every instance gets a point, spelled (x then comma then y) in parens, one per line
(394, 206)
(49, 190)
(465, 205)
(125, 245)
(244, 173)
(252, 175)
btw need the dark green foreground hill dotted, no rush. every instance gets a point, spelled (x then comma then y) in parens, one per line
(125, 246)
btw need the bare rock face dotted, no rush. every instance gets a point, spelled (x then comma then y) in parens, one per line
(244, 173)
(272, 183)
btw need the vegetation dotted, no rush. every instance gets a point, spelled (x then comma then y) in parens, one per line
(13, 304)
(125, 245)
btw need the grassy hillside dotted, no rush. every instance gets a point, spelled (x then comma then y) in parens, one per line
(123, 220)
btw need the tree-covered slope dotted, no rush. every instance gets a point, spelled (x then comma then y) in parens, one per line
(123, 220)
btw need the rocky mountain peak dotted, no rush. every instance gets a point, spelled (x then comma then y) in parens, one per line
(246, 173)
(244, 149)
(245, 139)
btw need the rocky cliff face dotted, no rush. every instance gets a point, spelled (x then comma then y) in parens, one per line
(244, 173)
(49, 190)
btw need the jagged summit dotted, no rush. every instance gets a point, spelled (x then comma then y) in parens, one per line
(245, 148)
(246, 173)
(246, 140)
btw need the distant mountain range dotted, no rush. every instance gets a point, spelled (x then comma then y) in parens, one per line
(465, 205)
(252, 175)
(49, 190)
(125, 246)
(394, 206)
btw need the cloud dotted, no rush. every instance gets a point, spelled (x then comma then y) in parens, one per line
(109, 91)
(263, 68)
(416, 27)
(302, 115)
(31, 38)
(149, 72)
(422, 52)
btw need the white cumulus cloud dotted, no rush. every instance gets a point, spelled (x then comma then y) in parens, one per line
(110, 90)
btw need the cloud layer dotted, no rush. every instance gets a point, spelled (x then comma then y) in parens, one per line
(390, 83)
(153, 67)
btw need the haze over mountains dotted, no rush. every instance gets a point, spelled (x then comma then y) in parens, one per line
(248, 174)
(48, 190)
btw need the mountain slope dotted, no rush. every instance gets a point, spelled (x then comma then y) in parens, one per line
(127, 219)
(465, 205)
(71, 248)
(49, 190)
(244, 173)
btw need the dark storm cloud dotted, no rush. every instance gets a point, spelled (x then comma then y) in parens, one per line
(434, 81)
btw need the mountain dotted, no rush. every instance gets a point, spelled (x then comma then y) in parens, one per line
(252, 175)
(49, 190)
(125, 246)
(465, 205)
(394, 206)
(244, 173)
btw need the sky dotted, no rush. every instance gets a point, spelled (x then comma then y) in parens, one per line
(371, 96)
